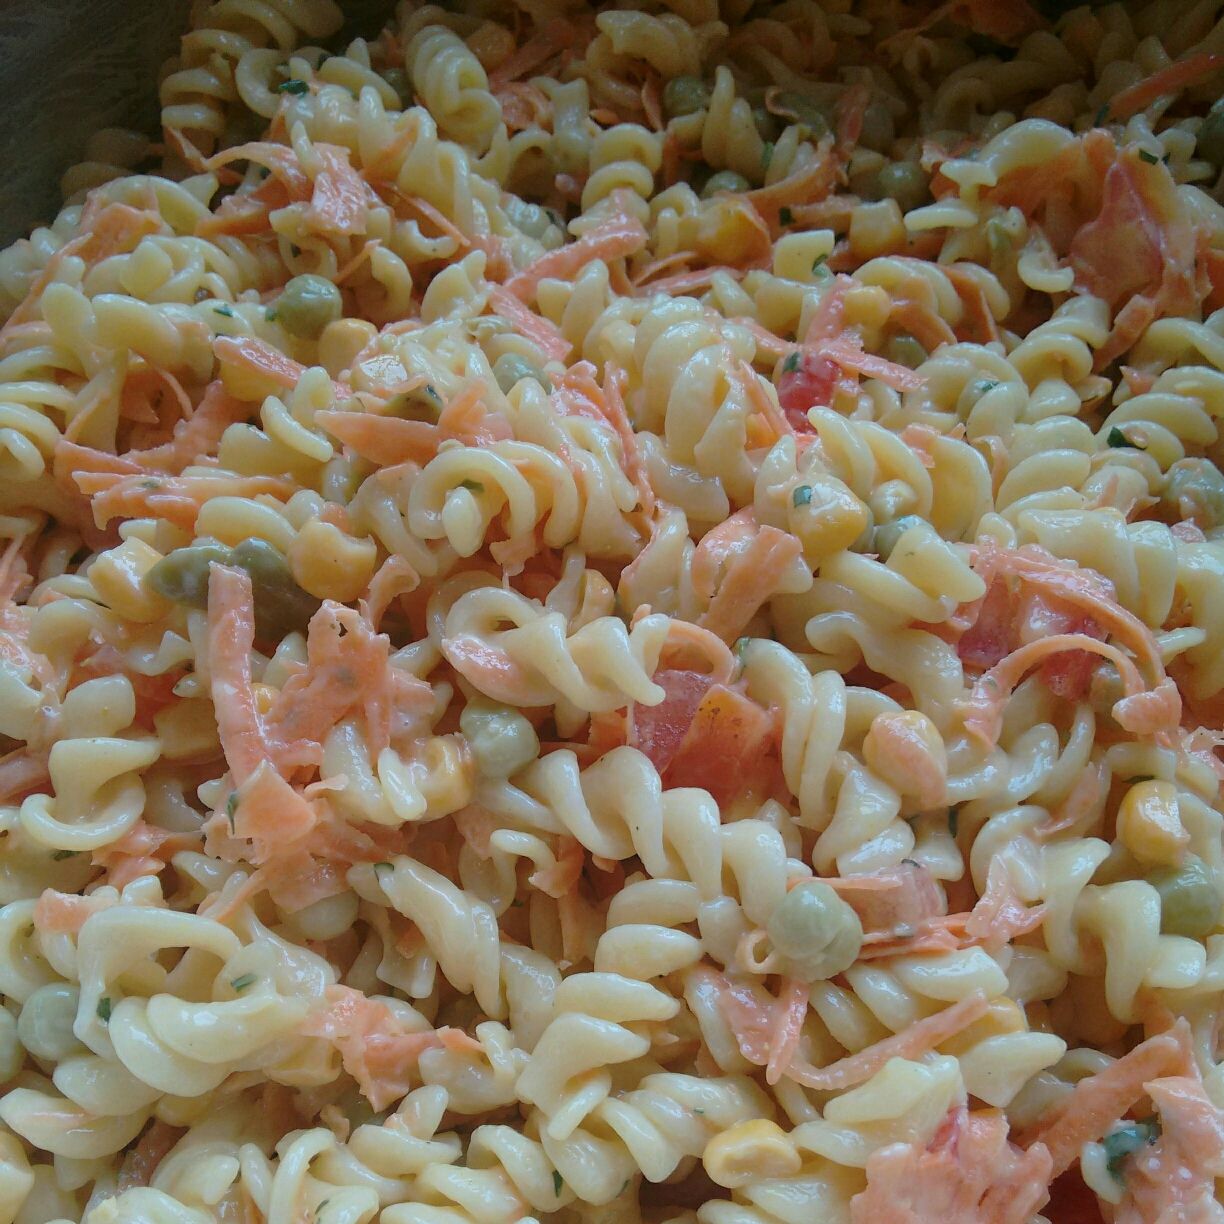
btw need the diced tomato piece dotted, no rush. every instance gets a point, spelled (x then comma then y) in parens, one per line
(702, 734)
(989, 639)
(808, 385)
(725, 746)
(659, 730)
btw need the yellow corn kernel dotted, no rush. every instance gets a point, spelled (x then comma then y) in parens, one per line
(867, 308)
(187, 730)
(449, 780)
(1002, 1016)
(730, 232)
(749, 1151)
(331, 564)
(341, 341)
(1149, 824)
(264, 695)
(118, 578)
(876, 229)
(826, 516)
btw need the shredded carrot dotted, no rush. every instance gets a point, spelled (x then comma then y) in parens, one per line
(614, 238)
(341, 197)
(787, 1028)
(983, 710)
(527, 323)
(751, 578)
(389, 441)
(1100, 1100)
(177, 499)
(919, 1038)
(553, 37)
(375, 1047)
(1171, 80)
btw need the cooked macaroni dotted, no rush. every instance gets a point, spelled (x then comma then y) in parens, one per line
(618, 614)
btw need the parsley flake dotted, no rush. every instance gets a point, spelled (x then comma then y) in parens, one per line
(791, 364)
(293, 86)
(473, 486)
(802, 496)
(558, 1183)
(1117, 439)
(241, 983)
(104, 1009)
(223, 310)
(60, 855)
(1126, 1140)
(1150, 158)
(231, 806)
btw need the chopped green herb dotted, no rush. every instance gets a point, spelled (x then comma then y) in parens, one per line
(223, 310)
(1126, 1140)
(318, 1211)
(473, 486)
(231, 806)
(791, 364)
(802, 496)
(985, 384)
(767, 154)
(699, 1112)
(104, 1009)
(558, 1183)
(1150, 158)
(1117, 439)
(60, 855)
(270, 313)
(241, 983)
(293, 86)
(953, 821)
(740, 648)
(785, 216)
(1141, 778)
(1102, 116)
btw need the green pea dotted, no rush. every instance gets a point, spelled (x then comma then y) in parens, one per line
(766, 123)
(815, 931)
(182, 575)
(1210, 145)
(510, 369)
(307, 305)
(905, 350)
(887, 534)
(281, 606)
(422, 403)
(46, 1019)
(397, 78)
(724, 180)
(1195, 489)
(906, 182)
(1189, 899)
(685, 95)
(1126, 1140)
(795, 107)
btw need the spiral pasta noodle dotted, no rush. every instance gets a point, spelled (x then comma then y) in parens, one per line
(618, 613)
